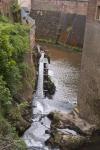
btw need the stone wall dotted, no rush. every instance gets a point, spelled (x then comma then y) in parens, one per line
(66, 6)
(65, 19)
(29, 78)
(89, 92)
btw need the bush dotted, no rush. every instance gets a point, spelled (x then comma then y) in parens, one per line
(4, 19)
(5, 96)
(14, 43)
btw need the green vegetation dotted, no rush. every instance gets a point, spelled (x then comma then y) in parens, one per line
(14, 45)
(48, 41)
(60, 44)
(4, 19)
(14, 42)
(15, 9)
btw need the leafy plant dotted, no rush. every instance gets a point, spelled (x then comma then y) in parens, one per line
(14, 42)
(5, 95)
(15, 7)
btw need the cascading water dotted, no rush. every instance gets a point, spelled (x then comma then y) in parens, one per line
(39, 92)
(36, 136)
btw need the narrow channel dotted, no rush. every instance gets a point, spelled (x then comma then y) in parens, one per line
(64, 72)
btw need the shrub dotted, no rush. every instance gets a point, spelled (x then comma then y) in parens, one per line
(14, 43)
(5, 96)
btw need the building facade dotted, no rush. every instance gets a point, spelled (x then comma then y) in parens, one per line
(5, 7)
(60, 20)
(89, 92)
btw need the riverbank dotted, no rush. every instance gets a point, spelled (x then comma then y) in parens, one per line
(59, 45)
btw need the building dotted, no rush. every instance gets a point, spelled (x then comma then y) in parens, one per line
(89, 92)
(5, 7)
(25, 6)
(61, 21)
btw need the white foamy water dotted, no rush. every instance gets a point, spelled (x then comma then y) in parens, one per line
(64, 72)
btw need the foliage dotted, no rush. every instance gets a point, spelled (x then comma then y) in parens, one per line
(14, 42)
(4, 19)
(5, 95)
(15, 112)
(15, 7)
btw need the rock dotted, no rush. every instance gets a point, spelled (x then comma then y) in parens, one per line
(49, 87)
(74, 122)
(80, 134)
(65, 142)
(51, 116)
(47, 132)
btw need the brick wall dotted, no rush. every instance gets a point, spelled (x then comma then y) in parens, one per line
(66, 6)
(91, 10)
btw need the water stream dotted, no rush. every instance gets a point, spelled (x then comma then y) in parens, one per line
(64, 72)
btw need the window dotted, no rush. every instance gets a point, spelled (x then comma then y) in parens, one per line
(98, 13)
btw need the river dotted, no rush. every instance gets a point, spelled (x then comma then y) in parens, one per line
(65, 67)
(64, 72)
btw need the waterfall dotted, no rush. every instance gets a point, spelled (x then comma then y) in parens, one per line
(39, 92)
(35, 136)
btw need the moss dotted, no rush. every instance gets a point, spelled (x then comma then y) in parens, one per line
(52, 41)
(60, 44)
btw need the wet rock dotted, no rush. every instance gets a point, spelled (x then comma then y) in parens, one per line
(74, 122)
(65, 142)
(51, 116)
(49, 87)
(69, 131)
(47, 132)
